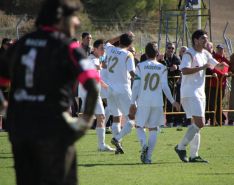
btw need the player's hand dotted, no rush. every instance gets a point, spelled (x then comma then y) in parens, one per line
(103, 84)
(131, 34)
(173, 67)
(3, 107)
(132, 111)
(221, 65)
(176, 105)
(3, 104)
(77, 124)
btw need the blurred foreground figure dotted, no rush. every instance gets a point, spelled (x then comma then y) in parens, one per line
(43, 67)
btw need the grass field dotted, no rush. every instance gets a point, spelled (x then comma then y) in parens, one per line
(97, 168)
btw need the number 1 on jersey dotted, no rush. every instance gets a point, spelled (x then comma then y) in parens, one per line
(28, 61)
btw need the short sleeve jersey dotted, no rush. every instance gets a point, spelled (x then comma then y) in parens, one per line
(152, 75)
(193, 85)
(43, 68)
(119, 63)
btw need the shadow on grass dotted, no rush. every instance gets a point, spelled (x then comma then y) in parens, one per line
(216, 173)
(124, 164)
(6, 157)
(3, 135)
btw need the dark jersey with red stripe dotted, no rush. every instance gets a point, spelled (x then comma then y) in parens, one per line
(43, 68)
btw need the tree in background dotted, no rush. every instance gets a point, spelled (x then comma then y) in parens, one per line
(119, 9)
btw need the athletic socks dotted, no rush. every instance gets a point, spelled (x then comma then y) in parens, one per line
(192, 130)
(107, 114)
(141, 136)
(151, 143)
(125, 130)
(115, 129)
(100, 136)
(195, 145)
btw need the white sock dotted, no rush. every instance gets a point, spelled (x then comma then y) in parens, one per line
(141, 136)
(195, 145)
(125, 130)
(192, 130)
(100, 136)
(151, 143)
(107, 114)
(115, 129)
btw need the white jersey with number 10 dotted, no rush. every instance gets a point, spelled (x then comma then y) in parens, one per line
(152, 75)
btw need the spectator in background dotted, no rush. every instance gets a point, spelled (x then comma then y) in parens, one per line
(132, 49)
(219, 55)
(86, 42)
(46, 65)
(172, 62)
(209, 116)
(6, 43)
(182, 50)
(231, 101)
(210, 47)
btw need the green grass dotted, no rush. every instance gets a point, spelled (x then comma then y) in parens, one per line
(97, 168)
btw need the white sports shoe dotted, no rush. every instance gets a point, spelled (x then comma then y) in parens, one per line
(106, 148)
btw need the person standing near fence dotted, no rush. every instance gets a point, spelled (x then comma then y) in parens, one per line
(194, 64)
(231, 101)
(219, 55)
(43, 67)
(172, 63)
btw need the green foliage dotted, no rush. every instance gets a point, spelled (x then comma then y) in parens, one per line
(98, 168)
(118, 9)
(21, 6)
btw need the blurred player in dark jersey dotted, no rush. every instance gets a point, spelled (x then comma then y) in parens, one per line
(43, 67)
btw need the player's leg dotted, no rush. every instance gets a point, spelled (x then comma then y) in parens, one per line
(196, 109)
(124, 105)
(142, 115)
(115, 112)
(156, 118)
(100, 127)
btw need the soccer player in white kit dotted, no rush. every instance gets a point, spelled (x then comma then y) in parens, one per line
(120, 69)
(149, 84)
(194, 64)
(98, 51)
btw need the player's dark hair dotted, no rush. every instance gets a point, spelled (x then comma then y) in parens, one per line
(197, 34)
(52, 11)
(98, 42)
(126, 40)
(151, 50)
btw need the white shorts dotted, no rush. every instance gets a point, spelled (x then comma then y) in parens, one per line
(103, 93)
(119, 103)
(99, 109)
(194, 106)
(149, 117)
